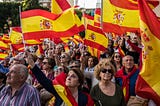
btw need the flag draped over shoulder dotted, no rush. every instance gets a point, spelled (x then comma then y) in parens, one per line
(63, 91)
(120, 16)
(95, 38)
(37, 24)
(148, 82)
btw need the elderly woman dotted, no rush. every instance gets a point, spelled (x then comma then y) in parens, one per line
(65, 87)
(106, 92)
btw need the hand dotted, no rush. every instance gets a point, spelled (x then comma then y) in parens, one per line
(29, 59)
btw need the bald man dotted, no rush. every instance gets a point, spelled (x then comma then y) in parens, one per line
(126, 77)
(18, 92)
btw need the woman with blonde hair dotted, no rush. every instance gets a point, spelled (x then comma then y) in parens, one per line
(106, 92)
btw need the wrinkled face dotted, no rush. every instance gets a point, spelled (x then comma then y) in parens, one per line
(106, 73)
(13, 76)
(45, 64)
(128, 62)
(72, 80)
(90, 62)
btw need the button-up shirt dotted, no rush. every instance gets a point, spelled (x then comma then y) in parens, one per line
(27, 95)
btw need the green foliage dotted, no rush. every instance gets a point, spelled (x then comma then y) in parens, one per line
(9, 9)
(32, 4)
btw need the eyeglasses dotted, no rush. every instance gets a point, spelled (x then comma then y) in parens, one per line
(63, 56)
(106, 70)
(117, 56)
(44, 62)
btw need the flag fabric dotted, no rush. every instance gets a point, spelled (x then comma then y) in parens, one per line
(94, 52)
(15, 35)
(95, 38)
(97, 17)
(3, 56)
(58, 6)
(5, 38)
(120, 16)
(148, 82)
(87, 19)
(3, 45)
(37, 24)
(63, 91)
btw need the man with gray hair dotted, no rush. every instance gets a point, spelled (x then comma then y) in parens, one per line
(18, 92)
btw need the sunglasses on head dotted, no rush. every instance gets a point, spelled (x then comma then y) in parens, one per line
(63, 56)
(106, 70)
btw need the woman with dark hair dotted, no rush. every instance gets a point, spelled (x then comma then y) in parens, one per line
(65, 87)
(116, 60)
(106, 92)
(89, 70)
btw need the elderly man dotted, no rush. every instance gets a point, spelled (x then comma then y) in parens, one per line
(18, 92)
(126, 77)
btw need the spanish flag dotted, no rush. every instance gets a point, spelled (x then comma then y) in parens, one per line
(3, 45)
(97, 17)
(15, 35)
(95, 38)
(63, 91)
(37, 24)
(148, 82)
(3, 56)
(120, 16)
(58, 6)
(87, 19)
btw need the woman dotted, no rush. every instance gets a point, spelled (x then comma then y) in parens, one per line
(116, 60)
(89, 70)
(106, 92)
(70, 84)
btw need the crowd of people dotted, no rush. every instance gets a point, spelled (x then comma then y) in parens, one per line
(74, 77)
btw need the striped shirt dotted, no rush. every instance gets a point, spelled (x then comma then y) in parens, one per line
(27, 95)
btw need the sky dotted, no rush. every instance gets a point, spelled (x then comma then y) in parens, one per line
(87, 3)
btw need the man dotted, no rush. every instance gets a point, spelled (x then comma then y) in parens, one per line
(126, 77)
(18, 92)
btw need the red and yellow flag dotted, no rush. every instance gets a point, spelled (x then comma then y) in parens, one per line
(58, 6)
(15, 35)
(3, 56)
(87, 19)
(148, 82)
(3, 45)
(37, 24)
(95, 38)
(120, 16)
(97, 17)
(63, 91)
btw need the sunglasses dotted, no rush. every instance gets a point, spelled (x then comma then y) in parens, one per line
(106, 70)
(63, 56)
(117, 56)
(44, 62)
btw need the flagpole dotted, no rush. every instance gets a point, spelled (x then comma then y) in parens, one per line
(21, 27)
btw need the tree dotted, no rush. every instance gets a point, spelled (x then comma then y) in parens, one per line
(31, 4)
(9, 11)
